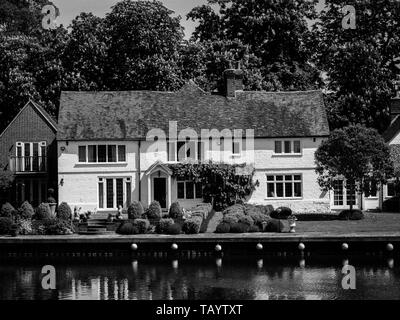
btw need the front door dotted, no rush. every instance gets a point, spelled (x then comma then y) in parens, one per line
(343, 195)
(160, 191)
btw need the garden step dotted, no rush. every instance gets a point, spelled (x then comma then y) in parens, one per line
(93, 232)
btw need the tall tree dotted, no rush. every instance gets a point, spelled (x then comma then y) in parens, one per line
(273, 31)
(360, 63)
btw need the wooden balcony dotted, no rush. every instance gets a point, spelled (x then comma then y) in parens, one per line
(31, 164)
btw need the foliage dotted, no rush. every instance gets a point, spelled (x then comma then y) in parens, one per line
(261, 209)
(357, 154)
(57, 227)
(43, 212)
(222, 186)
(26, 211)
(64, 211)
(259, 219)
(6, 224)
(127, 228)
(223, 227)
(142, 225)
(239, 228)
(6, 178)
(351, 215)
(360, 63)
(163, 224)
(7, 210)
(154, 211)
(246, 220)
(135, 210)
(274, 225)
(174, 229)
(176, 211)
(255, 228)
(192, 225)
(25, 226)
(281, 213)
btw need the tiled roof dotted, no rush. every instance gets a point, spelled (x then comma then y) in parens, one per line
(126, 115)
(392, 130)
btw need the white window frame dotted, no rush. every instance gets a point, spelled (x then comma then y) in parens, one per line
(86, 146)
(292, 153)
(102, 180)
(176, 151)
(387, 190)
(21, 144)
(184, 189)
(292, 181)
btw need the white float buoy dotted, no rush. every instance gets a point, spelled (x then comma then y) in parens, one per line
(259, 246)
(175, 264)
(302, 246)
(390, 263)
(134, 246)
(302, 263)
(345, 246)
(389, 247)
(218, 248)
(174, 246)
(260, 263)
(218, 262)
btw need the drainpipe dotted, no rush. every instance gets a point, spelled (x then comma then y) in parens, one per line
(140, 172)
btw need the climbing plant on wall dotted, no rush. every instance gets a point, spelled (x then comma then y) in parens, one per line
(222, 184)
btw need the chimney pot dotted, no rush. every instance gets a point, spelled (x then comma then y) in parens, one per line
(233, 80)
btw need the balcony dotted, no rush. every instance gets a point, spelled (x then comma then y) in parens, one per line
(30, 164)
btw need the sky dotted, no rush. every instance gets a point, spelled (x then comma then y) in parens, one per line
(69, 9)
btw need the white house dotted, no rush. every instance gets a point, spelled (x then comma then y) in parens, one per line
(104, 158)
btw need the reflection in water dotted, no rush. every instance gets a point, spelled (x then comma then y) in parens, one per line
(237, 279)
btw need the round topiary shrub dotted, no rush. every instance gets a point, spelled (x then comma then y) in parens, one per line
(6, 225)
(176, 211)
(26, 211)
(7, 210)
(239, 228)
(238, 209)
(274, 225)
(142, 225)
(260, 219)
(254, 228)
(246, 220)
(232, 218)
(43, 212)
(174, 229)
(163, 224)
(351, 215)
(223, 227)
(64, 211)
(127, 228)
(192, 225)
(135, 210)
(154, 211)
(281, 213)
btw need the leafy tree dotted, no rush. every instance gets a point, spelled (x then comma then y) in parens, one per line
(144, 40)
(273, 31)
(6, 179)
(360, 63)
(357, 154)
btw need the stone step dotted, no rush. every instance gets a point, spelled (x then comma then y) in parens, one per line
(93, 232)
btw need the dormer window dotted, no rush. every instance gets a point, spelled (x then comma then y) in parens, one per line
(287, 147)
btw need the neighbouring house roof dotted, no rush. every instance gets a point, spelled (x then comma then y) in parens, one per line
(395, 156)
(392, 130)
(126, 115)
(40, 110)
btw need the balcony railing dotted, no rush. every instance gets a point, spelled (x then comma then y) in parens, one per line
(28, 164)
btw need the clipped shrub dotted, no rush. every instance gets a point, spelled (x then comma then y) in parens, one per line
(351, 215)
(135, 210)
(174, 229)
(237, 209)
(38, 228)
(274, 225)
(154, 211)
(199, 213)
(281, 213)
(6, 225)
(64, 211)
(25, 227)
(176, 211)
(142, 225)
(239, 228)
(246, 220)
(43, 212)
(127, 228)
(7, 210)
(254, 228)
(204, 207)
(163, 224)
(26, 211)
(264, 210)
(192, 225)
(232, 218)
(259, 219)
(223, 227)
(57, 227)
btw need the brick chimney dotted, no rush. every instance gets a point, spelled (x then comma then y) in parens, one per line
(395, 103)
(233, 81)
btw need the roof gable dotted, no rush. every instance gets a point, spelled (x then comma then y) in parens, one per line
(126, 115)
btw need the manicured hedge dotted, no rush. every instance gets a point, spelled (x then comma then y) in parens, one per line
(7, 210)
(163, 224)
(135, 210)
(174, 229)
(176, 211)
(154, 211)
(127, 228)
(281, 213)
(142, 225)
(239, 228)
(223, 227)
(192, 225)
(247, 220)
(274, 225)
(43, 212)
(6, 225)
(351, 215)
(26, 211)
(64, 212)
(254, 228)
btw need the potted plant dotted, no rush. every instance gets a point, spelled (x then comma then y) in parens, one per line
(52, 202)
